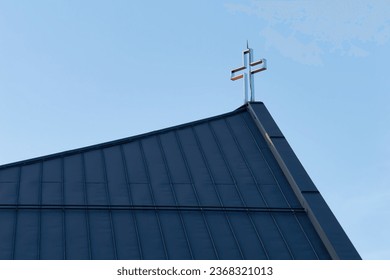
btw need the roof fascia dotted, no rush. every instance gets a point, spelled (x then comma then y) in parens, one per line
(325, 223)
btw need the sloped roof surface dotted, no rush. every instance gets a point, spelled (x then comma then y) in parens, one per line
(212, 189)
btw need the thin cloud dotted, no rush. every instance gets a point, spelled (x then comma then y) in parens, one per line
(320, 26)
(290, 46)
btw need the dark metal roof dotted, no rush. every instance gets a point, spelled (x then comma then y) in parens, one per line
(227, 187)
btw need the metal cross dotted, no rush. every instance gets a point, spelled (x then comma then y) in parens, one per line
(247, 74)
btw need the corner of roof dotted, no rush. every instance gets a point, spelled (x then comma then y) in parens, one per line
(246, 104)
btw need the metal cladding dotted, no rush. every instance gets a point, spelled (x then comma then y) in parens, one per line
(218, 188)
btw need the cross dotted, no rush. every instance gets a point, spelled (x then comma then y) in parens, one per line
(247, 74)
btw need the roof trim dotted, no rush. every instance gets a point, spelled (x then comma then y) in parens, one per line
(325, 223)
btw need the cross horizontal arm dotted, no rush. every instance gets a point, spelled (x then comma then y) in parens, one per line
(258, 62)
(237, 77)
(261, 61)
(238, 69)
(258, 70)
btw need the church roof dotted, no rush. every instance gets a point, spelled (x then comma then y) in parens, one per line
(226, 187)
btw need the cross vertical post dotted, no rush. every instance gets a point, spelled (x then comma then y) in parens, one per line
(247, 73)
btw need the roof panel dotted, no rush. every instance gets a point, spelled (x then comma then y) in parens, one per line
(274, 197)
(141, 195)
(154, 162)
(163, 194)
(151, 236)
(213, 155)
(230, 195)
(116, 171)
(96, 194)
(193, 157)
(298, 243)
(126, 235)
(186, 195)
(133, 160)
(10, 174)
(74, 193)
(7, 235)
(252, 196)
(175, 235)
(232, 152)
(272, 239)
(29, 189)
(73, 169)
(247, 236)
(77, 235)
(102, 234)
(8, 193)
(27, 240)
(198, 228)
(51, 235)
(52, 193)
(94, 167)
(254, 131)
(52, 170)
(226, 187)
(174, 158)
(226, 243)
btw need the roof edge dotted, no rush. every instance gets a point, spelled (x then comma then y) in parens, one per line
(325, 223)
(116, 142)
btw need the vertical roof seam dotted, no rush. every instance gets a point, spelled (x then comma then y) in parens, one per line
(85, 191)
(167, 169)
(63, 209)
(39, 235)
(112, 225)
(236, 186)
(130, 197)
(177, 137)
(216, 190)
(16, 212)
(147, 172)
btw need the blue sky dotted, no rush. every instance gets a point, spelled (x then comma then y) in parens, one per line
(76, 73)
